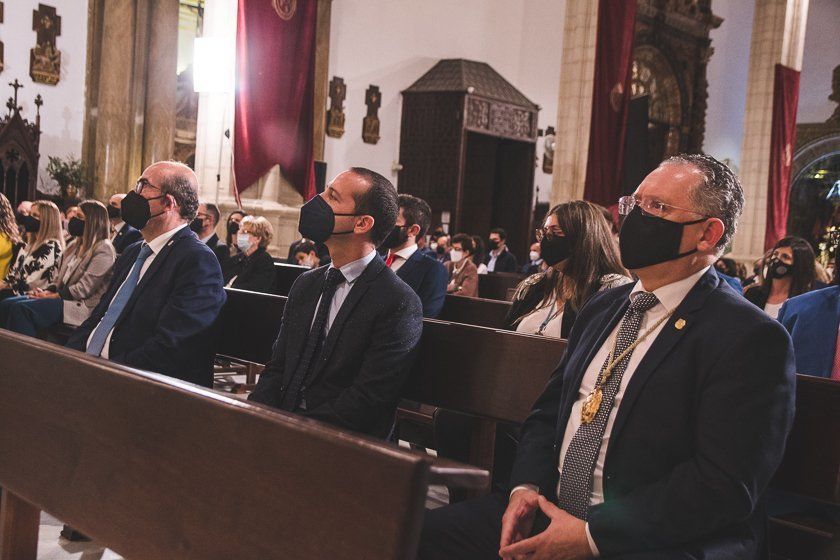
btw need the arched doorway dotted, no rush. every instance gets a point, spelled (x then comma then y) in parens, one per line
(815, 170)
(653, 76)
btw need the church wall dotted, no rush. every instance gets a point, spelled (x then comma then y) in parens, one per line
(391, 44)
(727, 78)
(822, 55)
(63, 112)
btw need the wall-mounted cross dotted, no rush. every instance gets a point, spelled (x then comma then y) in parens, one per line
(17, 85)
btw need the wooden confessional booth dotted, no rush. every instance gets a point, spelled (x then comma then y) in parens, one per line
(19, 140)
(468, 147)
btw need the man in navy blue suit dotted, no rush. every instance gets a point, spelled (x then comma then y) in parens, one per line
(124, 235)
(166, 293)
(425, 274)
(813, 321)
(661, 428)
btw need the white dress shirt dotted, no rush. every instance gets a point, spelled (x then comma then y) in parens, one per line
(155, 245)
(670, 297)
(117, 229)
(403, 255)
(351, 272)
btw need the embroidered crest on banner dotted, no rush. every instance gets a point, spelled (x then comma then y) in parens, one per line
(285, 8)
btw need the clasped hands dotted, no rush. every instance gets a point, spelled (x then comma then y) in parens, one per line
(565, 537)
(42, 294)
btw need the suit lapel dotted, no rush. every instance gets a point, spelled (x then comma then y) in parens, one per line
(668, 337)
(301, 324)
(357, 292)
(409, 265)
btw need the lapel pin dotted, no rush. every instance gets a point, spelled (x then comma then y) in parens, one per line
(680, 324)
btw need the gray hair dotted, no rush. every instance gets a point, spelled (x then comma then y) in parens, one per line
(181, 184)
(720, 195)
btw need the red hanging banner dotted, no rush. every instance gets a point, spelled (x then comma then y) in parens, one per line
(275, 71)
(782, 142)
(610, 100)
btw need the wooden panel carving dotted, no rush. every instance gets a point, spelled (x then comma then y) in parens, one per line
(370, 125)
(500, 119)
(45, 58)
(335, 114)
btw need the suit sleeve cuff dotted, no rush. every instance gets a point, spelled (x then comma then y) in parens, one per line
(524, 487)
(592, 546)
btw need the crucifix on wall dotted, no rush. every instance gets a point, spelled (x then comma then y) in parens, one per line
(1, 42)
(335, 114)
(370, 125)
(45, 58)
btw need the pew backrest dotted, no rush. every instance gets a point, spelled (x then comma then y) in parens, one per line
(811, 465)
(143, 464)
(481, 312)
(497, 285)
(248, 325)
(284, 276)
(484, 372)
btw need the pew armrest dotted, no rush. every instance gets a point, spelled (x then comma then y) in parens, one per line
(457, 475)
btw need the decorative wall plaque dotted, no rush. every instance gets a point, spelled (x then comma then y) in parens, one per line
(1, 42)
(370, 125)
(335, 114)
(45, 58)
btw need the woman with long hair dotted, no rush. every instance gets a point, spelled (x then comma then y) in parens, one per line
(86, 268)
(788, 272)
(582, 257)
(37, 262)
(9, 235)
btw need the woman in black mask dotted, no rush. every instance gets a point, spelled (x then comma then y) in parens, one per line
(582, 257)
(787, 273)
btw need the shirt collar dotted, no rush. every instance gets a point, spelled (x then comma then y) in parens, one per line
(118, 227)
(158, 242)
(407, 252)
(671, 295)
(206, 239)
(353, 270)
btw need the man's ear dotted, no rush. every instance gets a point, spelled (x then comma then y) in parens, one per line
(712, 232)
(364, 224)
(413, 230)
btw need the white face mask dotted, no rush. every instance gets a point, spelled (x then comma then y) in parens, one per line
(243, 241)
(534, 255)
(456, 256)
(433, 246)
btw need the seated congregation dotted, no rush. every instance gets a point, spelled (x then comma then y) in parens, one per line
(661, 398)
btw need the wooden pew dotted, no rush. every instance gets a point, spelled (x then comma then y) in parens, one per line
(284, 276)
(498, 285)
(144, 464)
(810, 469)
(248, 325)
(489, 313)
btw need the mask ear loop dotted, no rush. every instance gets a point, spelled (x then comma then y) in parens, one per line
(687, 253)
(349, 231)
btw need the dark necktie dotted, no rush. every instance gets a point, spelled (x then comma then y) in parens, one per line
(294, 390)
(579, 462)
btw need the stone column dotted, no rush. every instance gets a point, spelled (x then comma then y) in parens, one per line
(161, 82)
(778, 37)
(574, 111)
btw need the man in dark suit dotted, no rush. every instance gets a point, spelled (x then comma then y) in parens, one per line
(661, 428)
(159, 310)
(499, 259)
(426, 276)
(350, 330)
(204, 226)
(124, 235)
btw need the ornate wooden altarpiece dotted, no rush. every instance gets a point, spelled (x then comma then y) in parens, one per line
(19, 141)
(467, 147)
(672, 49)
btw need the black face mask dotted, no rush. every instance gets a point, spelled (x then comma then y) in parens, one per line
(646, 240)
(440, 250)
(18, 218)
(76, 227)
(197, 225)
(136, 210)
(30, 224)
(317, 220)
(397, 237)
(493, 244)
(555, 249)
(113, 212)
(233, 228)
(777, 269)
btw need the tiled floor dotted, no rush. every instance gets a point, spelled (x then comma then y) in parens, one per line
(52, 547)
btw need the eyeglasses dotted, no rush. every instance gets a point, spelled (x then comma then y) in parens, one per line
(542, 232)
(649, 206)
(142, 184)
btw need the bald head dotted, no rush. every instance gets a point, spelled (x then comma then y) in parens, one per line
(179, 181)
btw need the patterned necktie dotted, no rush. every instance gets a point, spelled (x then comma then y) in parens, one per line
(835, 370)
(294, 390)
(106, 325)
(579, 463)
